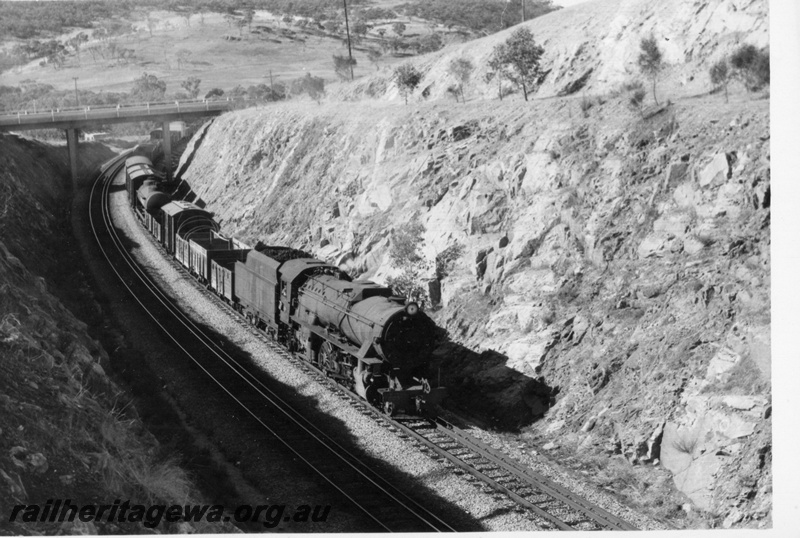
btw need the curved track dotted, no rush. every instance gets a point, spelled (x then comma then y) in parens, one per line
(551, 505)
(380, 501)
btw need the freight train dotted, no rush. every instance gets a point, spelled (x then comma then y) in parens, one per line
(355, 331)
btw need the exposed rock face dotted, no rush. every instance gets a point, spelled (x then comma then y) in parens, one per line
(623, 261)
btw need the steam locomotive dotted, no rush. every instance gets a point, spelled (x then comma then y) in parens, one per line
(357, 332)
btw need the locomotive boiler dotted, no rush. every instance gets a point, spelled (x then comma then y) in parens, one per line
(371, 339)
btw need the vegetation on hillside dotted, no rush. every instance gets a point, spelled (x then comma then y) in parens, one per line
(518, 60)
(650, 61)
(484, 16)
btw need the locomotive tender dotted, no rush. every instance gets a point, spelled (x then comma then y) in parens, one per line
(357, 332)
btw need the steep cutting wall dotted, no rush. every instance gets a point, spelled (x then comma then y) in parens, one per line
(66, 429)
(611, 267)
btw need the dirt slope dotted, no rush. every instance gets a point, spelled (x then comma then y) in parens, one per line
(601, 38)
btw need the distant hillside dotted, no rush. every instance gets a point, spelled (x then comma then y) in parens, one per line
(602, 38)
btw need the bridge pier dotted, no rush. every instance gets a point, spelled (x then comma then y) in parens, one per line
(72, 149)
(166, 138)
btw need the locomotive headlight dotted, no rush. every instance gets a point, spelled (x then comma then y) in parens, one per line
(412, 309)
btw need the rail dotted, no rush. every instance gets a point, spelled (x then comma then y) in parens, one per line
(343, 470)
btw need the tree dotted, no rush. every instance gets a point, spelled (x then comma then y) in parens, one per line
(148, 88)
(429, 43)
(407, 78)
(192, 86)
(518, 60)
(651, 61)
(214, 92)
(360, 29)
(398, 28)
(720, 75)
(461, 69)
(313, 86)
(332, 26)
(496, 68)
(374, 55)
(182, 55)
(247, 18)
(343, 65)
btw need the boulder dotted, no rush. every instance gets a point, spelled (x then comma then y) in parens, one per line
(526, 355)
(687, 196)
(716, 172)
(674, 224)
(692, 245)
(676, 172)
(724, 360)
(655, 244)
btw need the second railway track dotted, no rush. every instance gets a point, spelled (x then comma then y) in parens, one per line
(548, 504)
(387, 506)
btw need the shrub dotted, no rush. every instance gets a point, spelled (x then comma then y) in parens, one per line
(446, 258)
(406, 242)
(751, 66)
(720, 74)
(636, 99)
(461, 69)
(313, 86)
(407, 285)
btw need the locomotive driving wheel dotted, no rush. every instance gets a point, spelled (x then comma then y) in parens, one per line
(327, 358)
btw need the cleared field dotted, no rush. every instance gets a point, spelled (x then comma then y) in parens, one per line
(211, 49)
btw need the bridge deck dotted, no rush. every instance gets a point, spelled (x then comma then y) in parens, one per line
(80, 118)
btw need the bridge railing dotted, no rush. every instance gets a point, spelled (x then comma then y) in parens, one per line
(121, 110)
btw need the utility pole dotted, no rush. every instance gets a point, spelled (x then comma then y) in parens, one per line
(347, 28)
(271, 87)
(523, 10)
(77, 102)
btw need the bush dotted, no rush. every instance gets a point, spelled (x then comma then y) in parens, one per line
(446, 258)
(407, 285)
(461, 69)
(313, 86)
(637, 99)
(751, 66)
(720, 74)
(406, 242)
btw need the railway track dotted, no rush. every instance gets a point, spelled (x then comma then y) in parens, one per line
(381, 502)
(552, 506)
(547, 503)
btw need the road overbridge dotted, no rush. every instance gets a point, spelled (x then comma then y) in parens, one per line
(74, 119)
